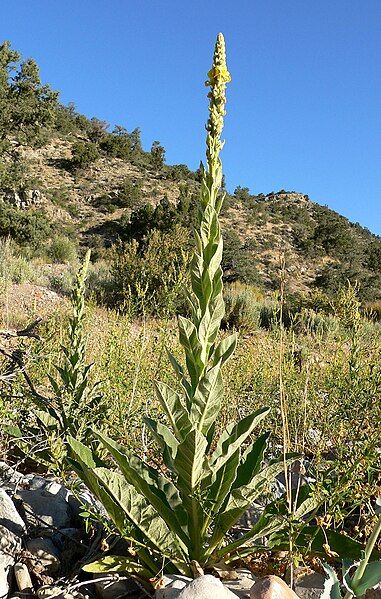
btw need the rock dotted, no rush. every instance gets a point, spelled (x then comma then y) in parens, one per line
(25, 198)
(45, 553)
(84, 498)
(115, 590)
(9, 478)
(251, 516)
(309, 586)
(72, 546)
(205, 587)
(172, 585)
(271, 587)
(49, 504)
(23, 579)
(50, 592)
(12, 529)
(242, 584)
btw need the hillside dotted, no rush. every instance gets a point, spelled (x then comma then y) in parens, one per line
(322, 248)
(67, 176)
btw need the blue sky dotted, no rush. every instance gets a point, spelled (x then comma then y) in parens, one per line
(304, 109)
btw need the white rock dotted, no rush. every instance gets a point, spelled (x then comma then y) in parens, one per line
(45, 552)
(173, 583)
(309, 586)
(206, 587)
(23, 579)
(12, 528)
(242, 584)
(50, 506)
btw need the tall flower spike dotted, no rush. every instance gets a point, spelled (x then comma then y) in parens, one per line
(218, 77)
(198, 334)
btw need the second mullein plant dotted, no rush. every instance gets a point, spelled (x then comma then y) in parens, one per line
(180, 519)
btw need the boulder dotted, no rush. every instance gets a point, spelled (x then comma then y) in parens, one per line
(242, 583)
(205, 587)
(25, 198)
(271, 587)
(171, 586)
(309, 586)
(117, 589)
(23, 579)
(46, 554)
(45, 507)
(12, 529)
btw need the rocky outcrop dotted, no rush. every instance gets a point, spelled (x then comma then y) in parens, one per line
(24, 199)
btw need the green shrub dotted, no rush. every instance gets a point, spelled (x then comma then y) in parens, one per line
(180, 172)
(15, 268)
(117, 144)
(84, 154)
(62, 250)
(242, 306)
(129, 193)
(126, 196)
(25, 227)
(239, 262)
(149, 280)
(157, 155)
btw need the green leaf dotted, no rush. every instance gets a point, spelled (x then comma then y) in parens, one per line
(157, 489)
(251, 461)
(117, 563)
(234, 436)
(165, 438)
(307, 506)
(268, 523)
(331, 585)
(240, 498)
(173, 407)
(223, 481)
(46, 419)
(13, 431)
(191, 344)
(225, 349)
(140, 512)
(189, 461)
(207, 399)
(312, 539)
(83, 452)
(370, 578)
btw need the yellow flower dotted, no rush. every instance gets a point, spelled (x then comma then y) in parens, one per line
(218, 74)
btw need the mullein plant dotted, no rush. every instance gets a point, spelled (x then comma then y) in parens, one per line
(75, 402)
(178, 520)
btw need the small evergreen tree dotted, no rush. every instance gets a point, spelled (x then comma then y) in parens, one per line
(157, 155)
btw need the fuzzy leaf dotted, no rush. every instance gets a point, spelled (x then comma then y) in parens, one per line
(331, 584)
(173, 407)
(225, 349)
(117, 563)
(223, 481)
(240, 498)
(207, 399)
(234, 436)
(370, 578)
(189, 461)
(165, 438)
(157, 489)
(139, 511)
(251, 461)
